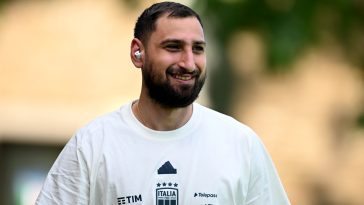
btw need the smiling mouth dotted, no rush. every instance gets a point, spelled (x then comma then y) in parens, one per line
(183, 76)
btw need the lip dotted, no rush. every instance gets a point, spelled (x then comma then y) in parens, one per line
(183, 78)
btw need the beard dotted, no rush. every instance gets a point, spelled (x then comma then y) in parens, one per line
(167, 95)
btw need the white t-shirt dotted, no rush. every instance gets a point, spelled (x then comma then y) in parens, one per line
(211, 160)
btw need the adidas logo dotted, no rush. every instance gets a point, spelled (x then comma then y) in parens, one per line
(167, 168)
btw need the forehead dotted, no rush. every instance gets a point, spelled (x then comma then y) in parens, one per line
(186, 29)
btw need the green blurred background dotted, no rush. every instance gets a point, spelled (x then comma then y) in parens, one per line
(290, 69)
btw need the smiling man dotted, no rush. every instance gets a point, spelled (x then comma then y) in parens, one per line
(173, 64)
(164, 149)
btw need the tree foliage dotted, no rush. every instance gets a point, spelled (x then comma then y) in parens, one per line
(2, 3)
(287, 27)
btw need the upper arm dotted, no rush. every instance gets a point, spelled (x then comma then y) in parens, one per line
(68, 180)
(265, 187)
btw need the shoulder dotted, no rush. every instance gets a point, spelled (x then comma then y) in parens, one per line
(100, 123)
(96, 130)
(225, 124)
(213, 117)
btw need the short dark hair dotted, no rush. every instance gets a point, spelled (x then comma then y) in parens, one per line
(146, 22)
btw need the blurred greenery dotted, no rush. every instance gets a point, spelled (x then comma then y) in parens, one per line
(361, 120)
(3, 2)
(287, 28)
(131, 4)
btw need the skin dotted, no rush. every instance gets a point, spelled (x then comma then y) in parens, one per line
(176, 42)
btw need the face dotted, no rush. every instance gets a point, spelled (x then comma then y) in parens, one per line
(174, 68)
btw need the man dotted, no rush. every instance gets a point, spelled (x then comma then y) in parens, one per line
(163, 149)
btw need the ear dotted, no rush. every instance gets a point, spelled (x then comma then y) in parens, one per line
(137, 45)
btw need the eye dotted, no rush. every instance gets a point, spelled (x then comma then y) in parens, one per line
(173, 47)
(198, 49)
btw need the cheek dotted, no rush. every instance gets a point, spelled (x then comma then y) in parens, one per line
(168, 59)
(164, 62)
(201, 62)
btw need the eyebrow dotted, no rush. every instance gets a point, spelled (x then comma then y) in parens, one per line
(181, 42)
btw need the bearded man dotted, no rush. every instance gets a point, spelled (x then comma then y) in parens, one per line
(165, 149)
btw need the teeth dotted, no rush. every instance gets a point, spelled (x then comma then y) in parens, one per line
(183, 77)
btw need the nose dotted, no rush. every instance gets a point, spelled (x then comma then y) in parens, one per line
(187, 60)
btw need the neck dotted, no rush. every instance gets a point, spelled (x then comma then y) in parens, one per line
(157, 117)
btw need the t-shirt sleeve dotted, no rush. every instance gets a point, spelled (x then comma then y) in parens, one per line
(265, 187)
(68, 180)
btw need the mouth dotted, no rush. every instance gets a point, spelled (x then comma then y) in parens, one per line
(184, 77)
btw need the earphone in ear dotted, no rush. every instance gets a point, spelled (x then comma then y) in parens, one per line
(138, 54)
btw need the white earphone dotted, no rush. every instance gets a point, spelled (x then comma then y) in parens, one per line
(138, 54)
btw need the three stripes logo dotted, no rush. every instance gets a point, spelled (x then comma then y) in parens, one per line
(167, 168)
